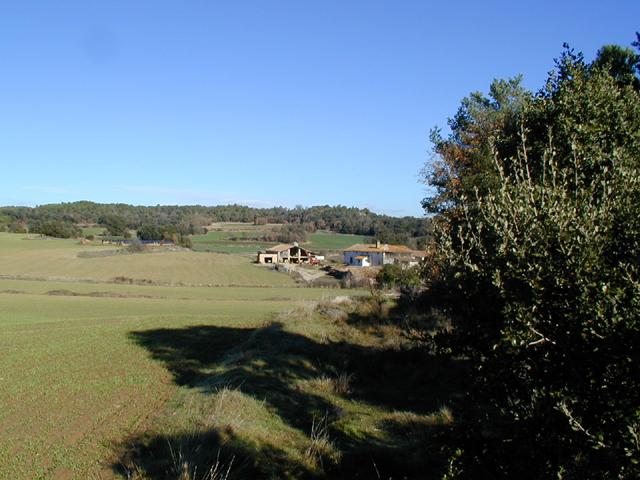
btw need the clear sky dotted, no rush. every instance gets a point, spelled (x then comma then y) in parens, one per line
(265, 102)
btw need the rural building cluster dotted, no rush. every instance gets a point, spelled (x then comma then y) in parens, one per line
(375, 255)
(287, 253)
(358, 255)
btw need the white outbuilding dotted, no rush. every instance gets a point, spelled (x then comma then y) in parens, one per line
(366, 255)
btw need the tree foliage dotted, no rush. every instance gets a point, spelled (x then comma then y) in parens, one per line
(115, 225)
(56, 228)
(462, 161)
(619, 62)
(393, 275)
(539, 270)
(189, 219)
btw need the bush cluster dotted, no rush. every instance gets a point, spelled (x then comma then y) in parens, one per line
(57, 229)
(537, 263)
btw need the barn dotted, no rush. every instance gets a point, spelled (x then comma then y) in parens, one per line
(286, 253)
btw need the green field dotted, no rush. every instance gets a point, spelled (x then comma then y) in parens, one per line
(320, 241)
(73, 382)
(58, 259)
(95, 231)
(100, 379)
(219, 241)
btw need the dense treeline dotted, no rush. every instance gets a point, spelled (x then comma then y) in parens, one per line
(536, 262)
(55, 228)
(191, 219)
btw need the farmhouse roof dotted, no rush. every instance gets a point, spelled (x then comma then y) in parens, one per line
(279, 248)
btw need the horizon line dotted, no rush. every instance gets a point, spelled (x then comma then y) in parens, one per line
(304, 207)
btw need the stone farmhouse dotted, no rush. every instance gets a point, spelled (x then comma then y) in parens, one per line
(287, 253)
(373, 255)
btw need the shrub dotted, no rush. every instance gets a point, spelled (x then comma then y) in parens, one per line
(17, 227)
(135, 246)
(185, 241)
(150, 232)
(57, 229)
(398, 276)
(558, 264)
(541, 277)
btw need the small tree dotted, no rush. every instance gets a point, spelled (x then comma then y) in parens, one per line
(116, 226)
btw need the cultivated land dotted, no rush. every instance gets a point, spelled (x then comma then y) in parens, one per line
(31, 257)
(153, 379)
(333, 241)
(219, 238)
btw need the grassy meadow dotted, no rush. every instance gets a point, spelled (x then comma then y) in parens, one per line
(219, 238)
(73, 382)
(321, 241)
(167, 376)
(55, 259)
(95, 231)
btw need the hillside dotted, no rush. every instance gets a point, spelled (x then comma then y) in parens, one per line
(192, 218)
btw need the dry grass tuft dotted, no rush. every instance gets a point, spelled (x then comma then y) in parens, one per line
(184, 470)
(336, 385)
(227, 410)
(320, 447)
(333, 311)
(417, 427)
(304, 310)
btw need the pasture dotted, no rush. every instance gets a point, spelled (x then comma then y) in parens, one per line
(163, 378)
(55, 259)
(73, 382)
(95, 231)
(236, 238)
(221, 239)
(321, 241)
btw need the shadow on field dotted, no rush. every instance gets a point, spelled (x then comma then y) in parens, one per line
(269, 364)
(210, 454)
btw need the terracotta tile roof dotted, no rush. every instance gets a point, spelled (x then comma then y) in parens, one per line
(398, 249)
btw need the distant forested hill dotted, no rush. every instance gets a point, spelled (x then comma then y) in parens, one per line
(191, 217)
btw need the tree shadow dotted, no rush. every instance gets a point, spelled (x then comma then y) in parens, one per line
(269, 364)
(209, 454)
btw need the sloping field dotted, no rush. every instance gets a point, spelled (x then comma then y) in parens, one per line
(115, 380)
(333, 241)
(95, 289)
(73, 384)
(58, 259)
(220, 240)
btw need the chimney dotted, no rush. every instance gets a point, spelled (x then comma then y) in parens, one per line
(295, 244)
(377, 243)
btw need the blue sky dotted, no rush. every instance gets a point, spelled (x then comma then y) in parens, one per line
(259, 102)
